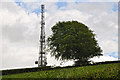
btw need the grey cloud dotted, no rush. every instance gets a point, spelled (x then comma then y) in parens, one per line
(14, 34)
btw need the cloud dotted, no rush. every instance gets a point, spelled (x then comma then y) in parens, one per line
(113, 46)
(97, 16)
(103, 21)
(104, 58)
(20, 30)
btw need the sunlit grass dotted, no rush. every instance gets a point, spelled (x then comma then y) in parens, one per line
(96, 71)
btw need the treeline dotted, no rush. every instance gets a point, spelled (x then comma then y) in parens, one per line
(17, 71)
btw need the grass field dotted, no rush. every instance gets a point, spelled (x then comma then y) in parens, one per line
(97, 71)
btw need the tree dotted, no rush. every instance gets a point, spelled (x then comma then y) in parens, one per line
(73, 40)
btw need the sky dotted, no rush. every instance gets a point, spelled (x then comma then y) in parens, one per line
(20, 28)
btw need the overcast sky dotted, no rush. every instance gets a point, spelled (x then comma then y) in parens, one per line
(20, 28)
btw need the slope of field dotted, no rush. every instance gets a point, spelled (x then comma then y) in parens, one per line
(111, 70)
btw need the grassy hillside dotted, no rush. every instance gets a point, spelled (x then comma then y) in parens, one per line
(97, 71)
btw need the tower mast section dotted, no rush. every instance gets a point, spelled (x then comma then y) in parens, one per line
(42, 57)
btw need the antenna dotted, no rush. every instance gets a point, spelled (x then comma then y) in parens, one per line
(42, 60)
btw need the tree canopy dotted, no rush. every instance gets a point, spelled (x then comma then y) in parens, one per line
(72, 40)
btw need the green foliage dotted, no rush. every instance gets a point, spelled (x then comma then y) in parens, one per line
(73, 40)
(97, 71)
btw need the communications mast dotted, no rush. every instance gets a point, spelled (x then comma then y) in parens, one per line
(42, 60)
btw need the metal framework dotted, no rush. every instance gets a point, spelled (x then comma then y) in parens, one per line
(42, 60)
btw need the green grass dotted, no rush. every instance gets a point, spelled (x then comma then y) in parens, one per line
(96, 71)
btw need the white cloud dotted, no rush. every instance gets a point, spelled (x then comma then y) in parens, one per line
(103, 58)
(103, 21)
(99, 17)
(109, 46)
(21, 31)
